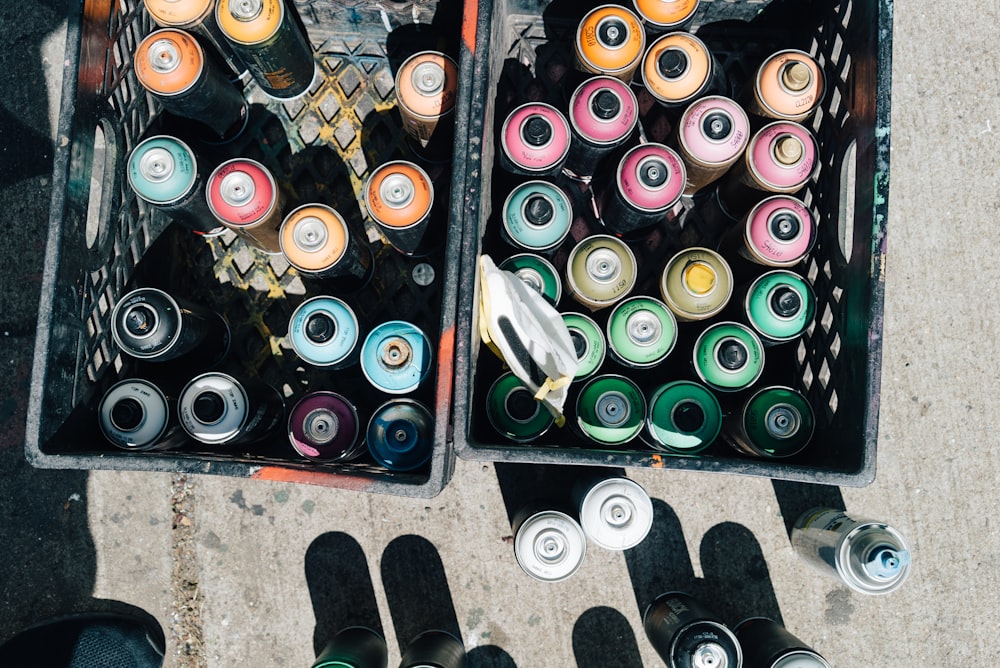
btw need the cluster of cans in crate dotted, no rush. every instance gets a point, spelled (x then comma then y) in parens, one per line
(739, 162)
(241, 195)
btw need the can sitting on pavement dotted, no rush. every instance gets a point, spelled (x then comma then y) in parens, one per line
(610, 41)
(400, 435)
(610, 410)
(171, 65)
(426, 90)
(768, 644)
(136, 415)
(243, 195)
(648, 185)
(324, 427)
(615, 512)
(266, 37)
(696, 284)
(603, 115)
(712, 135)
(537, 273)
(163, 172)
(777, 232)
(678, 68)
(217, 409)
(773, 423)
(600, 271)
(788, 86)
(684, 418)
(316, 240)
(399, 196)
(549, 545)
(514, 412)
(728, 357)
(534, 140)
(396, 357)
(686, 634)
(537, 216)
(642, 332)
(324, 331)
(588, 341)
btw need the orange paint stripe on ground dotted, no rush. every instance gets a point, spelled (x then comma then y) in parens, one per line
(470, 17)
(279, 474)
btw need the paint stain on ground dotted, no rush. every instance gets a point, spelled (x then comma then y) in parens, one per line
(212, 541)
(281, 496)
(534, 620)
(838, 607)
(240, 501)
(476, 617)
(308, 506)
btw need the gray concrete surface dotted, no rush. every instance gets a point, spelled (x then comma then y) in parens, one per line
(249, 569)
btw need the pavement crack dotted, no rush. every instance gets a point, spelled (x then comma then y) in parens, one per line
(185, 598)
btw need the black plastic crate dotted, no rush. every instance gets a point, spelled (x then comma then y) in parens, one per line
(321, 147)
(524, 48)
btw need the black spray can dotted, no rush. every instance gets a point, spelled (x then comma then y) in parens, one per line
(686, 634)
(217, 409)
(149, 324)
(355, 646)
(768, 644)
(434, 649)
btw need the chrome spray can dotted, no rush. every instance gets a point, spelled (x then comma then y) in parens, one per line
(728, 357)
(781, 158)
(400, 435)
(149, 324)
(354, 647)
(768, 644)
(537, 216)
(135, 415)
(218, 409)
(324, 331)
(198, 17)
(396, 357)
(589, 343)
(664, 15)
(696, 284)
(778, 232)
(684, 418)
(514, 412)
(324, 427)
(426, 90)
(316, 240)
(788, 86)
(163, 172)
(642, 332)
(678, 68)
(549, 544)
(779, 306)
(868, 556)
(243, 195)
(537, 273)
(171, 65)
(434, 649)
(686, 634)
(610, 410)
(610, 40)
(399, 196)
(648, 186)
(534, 140)
(774, 423)
(603, 114)
(712, 134)
(270, 42)
(615, 512)
(600, 271)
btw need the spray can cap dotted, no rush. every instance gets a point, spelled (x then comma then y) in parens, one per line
(886, 562)
(672, 63)
(796, 76)
(606, 105)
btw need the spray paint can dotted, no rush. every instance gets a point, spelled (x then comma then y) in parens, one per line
(788, 86)
(610, 410)
(163, 172)
(774, 423)
(649, 182)
(778, 232)
(779, 306)
(198, 17)
(217, 409)
(135, 415)
(684, 418)
(396, 357)
(678, 68)
(534, 140)
(712, 135)
(324, 427)
(549, 544)
(868, 556)
(686, 634)
(603, 114)
(426, 90)
(316, 240)
(537, 216)
(610, 41)
(768, 644)
(615, 512)
(781, 158)
(398, 197)
(354, 647)
(243, 195)
(434, 649)
(728, 357)
(600, 271)
(514, 412)
(400, 435)
(642, 332)
(696, 284)
(324, 331)
(149, 324)
(589, 343)
(537, 273)
(665, 15)
(270, 42)
(171, 65)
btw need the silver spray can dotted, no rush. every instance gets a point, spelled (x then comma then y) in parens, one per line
(615, 512)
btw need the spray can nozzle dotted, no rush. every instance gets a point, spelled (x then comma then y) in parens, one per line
(886, 562)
